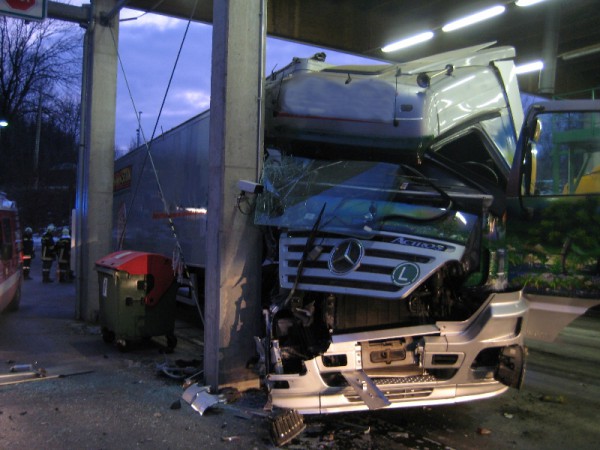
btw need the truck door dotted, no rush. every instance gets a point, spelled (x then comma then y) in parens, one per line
(553, 214)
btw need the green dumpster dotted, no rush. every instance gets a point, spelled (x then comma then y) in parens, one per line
(137, 297)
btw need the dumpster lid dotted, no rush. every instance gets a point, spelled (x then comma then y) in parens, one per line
(134, 262)
(142, 263)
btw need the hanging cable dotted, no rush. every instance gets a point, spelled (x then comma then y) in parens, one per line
(178, 256)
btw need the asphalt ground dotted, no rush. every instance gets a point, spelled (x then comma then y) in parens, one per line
(97, 397)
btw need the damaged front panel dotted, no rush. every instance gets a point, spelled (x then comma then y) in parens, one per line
(409, 366)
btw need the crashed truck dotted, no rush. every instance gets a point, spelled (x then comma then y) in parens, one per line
(413, 234)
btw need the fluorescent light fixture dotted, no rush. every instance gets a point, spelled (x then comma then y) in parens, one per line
(528, 2)
(529, 67)
(3, 123)
(408, 42)
(474, 18)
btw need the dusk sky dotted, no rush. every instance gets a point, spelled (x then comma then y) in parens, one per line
(148, 48)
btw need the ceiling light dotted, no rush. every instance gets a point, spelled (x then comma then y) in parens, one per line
(583, 51)
(528, 2)
(408, 42)
(529, 67)
(474, 18)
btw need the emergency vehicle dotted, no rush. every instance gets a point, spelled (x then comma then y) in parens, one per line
(11, 273)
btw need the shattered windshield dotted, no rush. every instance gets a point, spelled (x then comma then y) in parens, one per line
(360, 198)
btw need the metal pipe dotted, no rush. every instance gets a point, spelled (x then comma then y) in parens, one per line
(547, 81)
(261, 87)
(82, 170)
(36, 153)
(106, 18)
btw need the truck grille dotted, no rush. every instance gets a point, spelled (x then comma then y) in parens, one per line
(378, 272)
(396, 394)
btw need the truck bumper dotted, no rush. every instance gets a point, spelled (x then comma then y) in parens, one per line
(450, 362)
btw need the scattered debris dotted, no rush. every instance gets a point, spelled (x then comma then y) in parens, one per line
(23, 368)
(19, 373)
(37, 375)
(17, 376)
(230, 395)
(484, 431)
(431, 441)
(365, 429)
(553, 399)
(286, 426)
(199, 398)
(180, 369)
(283, 428)
(398, 434)
(508, 415)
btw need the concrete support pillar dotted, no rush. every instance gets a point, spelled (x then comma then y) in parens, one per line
(96, 157)
(232, 302)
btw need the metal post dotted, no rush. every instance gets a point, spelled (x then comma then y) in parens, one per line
(36, 153)
(139, 128)
(547, 82)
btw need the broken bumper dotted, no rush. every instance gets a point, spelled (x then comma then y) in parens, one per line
(452, 362)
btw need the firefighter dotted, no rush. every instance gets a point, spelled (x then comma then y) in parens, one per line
(48, 253)
(63, 252)
(28, 252)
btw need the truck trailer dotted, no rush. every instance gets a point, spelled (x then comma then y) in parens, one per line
(405, 222)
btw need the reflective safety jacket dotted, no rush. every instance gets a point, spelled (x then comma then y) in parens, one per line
(48, 247)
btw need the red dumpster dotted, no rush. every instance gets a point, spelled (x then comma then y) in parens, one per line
(137, 297)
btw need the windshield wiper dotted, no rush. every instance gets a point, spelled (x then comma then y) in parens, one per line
(498, 205)
(431, 184)
(444, 210)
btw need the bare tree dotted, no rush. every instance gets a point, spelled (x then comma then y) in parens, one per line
(40, 82)
(39, 61)
(65, 116)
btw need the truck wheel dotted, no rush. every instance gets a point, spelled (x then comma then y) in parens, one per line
(108, 336)
(171, 341)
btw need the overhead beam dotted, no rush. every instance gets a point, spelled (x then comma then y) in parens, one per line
(69, 13)
(362, 28)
